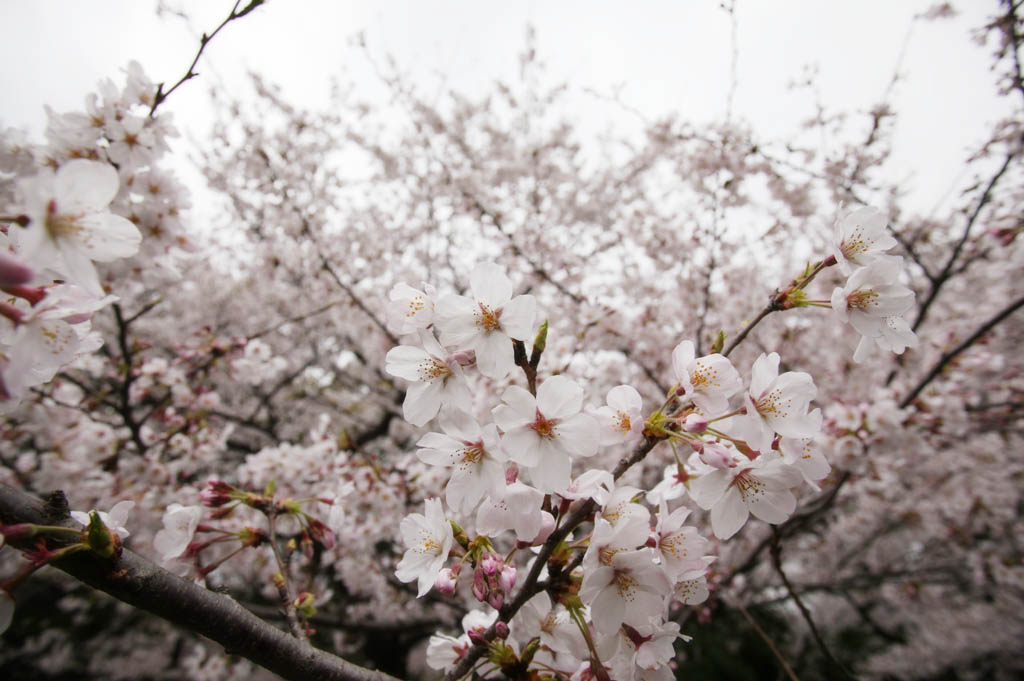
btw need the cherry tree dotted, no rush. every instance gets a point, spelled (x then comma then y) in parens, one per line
(441, 394)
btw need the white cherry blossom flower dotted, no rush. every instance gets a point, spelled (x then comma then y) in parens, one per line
(114, 520)
(622, 419)
(807, 458)
(410, 309)
(777, 404)
(709, 381)
(680, 547)
(473, 452)
(627, 588)
(70, 225)
(429, 538)
(518, 508)
(180, 523)
(873, 303)
(488, 321)
(437, 379)
(861, 238)
(762, 487)
(542, 434)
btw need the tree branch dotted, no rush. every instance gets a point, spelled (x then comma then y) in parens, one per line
(142, 584)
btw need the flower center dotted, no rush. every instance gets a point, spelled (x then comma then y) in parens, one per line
(488, 319)
(60, 225)
(544, 427)
(773, 404)
(416, 305)
(703, 375)
(432, 369)
(472, 452)
(861, 299)
(622, 422)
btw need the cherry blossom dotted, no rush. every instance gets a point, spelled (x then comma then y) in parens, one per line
(429, 538)
(114, 520)
(69, 224)
(621, 420)
(475, 454)
(180, 523)
(872, 302)
(777, 404)
(436, 378)
(488, 321)
(627, 588)
(542, 434)
(410, 309)
(861, 238)
(762, 487)
(709, 381)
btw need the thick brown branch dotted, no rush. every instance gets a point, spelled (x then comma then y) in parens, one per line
(948, 357)
(142, 584)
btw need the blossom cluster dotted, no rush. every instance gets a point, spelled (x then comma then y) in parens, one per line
(745, 452)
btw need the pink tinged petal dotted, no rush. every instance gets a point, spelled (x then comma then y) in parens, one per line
(455, 317)
(85, 186)
(517, 318)
(13, 272)
(507, 418)
(522, 402)
(765, 370)
(773, 506)
(438, 449)
(709, 488)
(729, 514)
(79, 269)
(682, 355)
(422, 401)
(404, 362)
(494, 354)
(578, 435)
(595, 581)
(490, 285)
(522, 444)
(839, 304)
(559, 397)
(105, 237)
(625, 398)
(553, 469)
(608, 610)
(460, 425)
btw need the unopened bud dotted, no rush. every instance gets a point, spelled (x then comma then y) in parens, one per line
(695, 423)
(479, 587)
(717, 456)
(507, 578)
(13, 272)
(501, 629)
(446, 582)
(476, 636)
(490, 564)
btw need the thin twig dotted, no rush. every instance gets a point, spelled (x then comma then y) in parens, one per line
(776, 551)
(768, 641)
(948, 357)
(204, 40)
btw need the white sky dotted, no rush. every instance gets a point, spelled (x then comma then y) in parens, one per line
(666, 56)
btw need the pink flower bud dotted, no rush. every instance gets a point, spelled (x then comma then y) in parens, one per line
(695, 423)
(14, 272)
(501, 629)
(496, 599)
(507, 578)
(717, 456)
(490, 564)
(479, 587)
(446, 582)
(476, 636)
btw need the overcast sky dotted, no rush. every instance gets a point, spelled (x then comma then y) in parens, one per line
(671, 56)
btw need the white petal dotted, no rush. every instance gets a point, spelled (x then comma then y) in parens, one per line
(559, 397)
(490, 285)
(494, 354)
(517, 317)
(729, 514)
(85, 186)
(579, 435)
